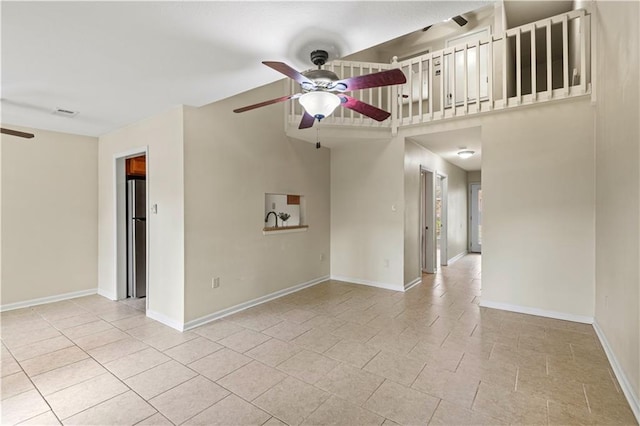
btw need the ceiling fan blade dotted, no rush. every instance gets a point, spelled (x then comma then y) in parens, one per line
(364, 108)
(269, 102)
(378, 79)
(16, 133)
(307, 121)
(290, 72)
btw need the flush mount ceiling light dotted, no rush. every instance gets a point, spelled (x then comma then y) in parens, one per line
(319, 104)
(465, 153)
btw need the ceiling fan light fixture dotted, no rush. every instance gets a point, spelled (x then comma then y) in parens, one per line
(319, 104)
(465, 154)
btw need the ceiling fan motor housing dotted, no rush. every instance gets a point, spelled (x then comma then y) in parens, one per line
(319, 57)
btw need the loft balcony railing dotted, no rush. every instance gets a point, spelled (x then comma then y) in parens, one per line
(538, 62)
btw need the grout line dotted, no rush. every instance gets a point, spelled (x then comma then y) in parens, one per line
(372, 358)
(476, 394)
(474, 330)
(586, 398)
(434, 411)
(517, 376)
(613, 379)
(573, 354)
(546, 364)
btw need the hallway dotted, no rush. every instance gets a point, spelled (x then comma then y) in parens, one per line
(335, 353)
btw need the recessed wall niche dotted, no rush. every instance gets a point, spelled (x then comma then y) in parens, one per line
(283, 211)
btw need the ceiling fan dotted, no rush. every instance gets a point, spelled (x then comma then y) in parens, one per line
(318, 97)
(16, 133)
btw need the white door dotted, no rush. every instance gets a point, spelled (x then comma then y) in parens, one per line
(475, 218)
(457, 77)
(427, 222)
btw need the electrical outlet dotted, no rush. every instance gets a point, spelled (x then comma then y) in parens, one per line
(215, 282)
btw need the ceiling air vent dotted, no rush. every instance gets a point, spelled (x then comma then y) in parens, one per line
(65, 112)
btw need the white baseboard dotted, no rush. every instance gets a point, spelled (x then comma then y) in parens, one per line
(242, 306)
(109, 295)
(536, 311)
(412, 284)
(457, 257)
(627, 389)
(165, 320)
(386, 286)
(48, 299)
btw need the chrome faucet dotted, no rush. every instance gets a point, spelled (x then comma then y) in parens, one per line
(266, 219)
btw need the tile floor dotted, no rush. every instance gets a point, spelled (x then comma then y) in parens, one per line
(335, 353)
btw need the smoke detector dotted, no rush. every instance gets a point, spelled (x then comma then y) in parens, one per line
(65, 112)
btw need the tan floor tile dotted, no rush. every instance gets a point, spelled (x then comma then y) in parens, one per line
(21, 338)
(77, 398)
(401, 404)
(86, 329)
(509, 406)
(350, 383)
(444, 384)
(147, 331)
(297, 315)
(252, 380)
(69, 375)
(136, 363)
(291, 400)
(74, 321)
(338, 412)
(286, 330)
(159, 379)
(352, 352)
(357, 332)
(449, 413)
(217, 330)
(22, 407)
(551, 387)
(42, 347)
(273, 352)
(230, 411)
(102, 338)
(44, 419)
(448, 359)
(308, 366)
(14, 384)
(316, 340)
(219, 364)
(488, 371)
(361, 317)
(244, 340)
(193, 350)
(155, 420)
(169, 338)
(397, 368)
(274, 422)
(254, 320)
(188, 399)
(115, 350)
(50, 361)
(132, 322)
(400, 344)
(605, 402)
(124, 409)
(324, 323)
(119, 313)
(9, 366)
(564, 369)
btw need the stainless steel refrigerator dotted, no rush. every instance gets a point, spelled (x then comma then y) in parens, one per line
(136, 238)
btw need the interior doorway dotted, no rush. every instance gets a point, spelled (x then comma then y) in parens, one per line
(475, 218)
(132, 228)
(428, 243)
(441, 219)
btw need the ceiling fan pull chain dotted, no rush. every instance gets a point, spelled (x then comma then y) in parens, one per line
(318, 137)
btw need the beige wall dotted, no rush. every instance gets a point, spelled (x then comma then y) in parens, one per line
(367, 237)
(49, 215)
(618, 185)
(475, 176)
(231, 161)
(538, 209)
(162, 136)
(416, 156)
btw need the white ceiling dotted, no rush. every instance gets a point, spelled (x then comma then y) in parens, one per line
(119, 62)
(447, 144)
